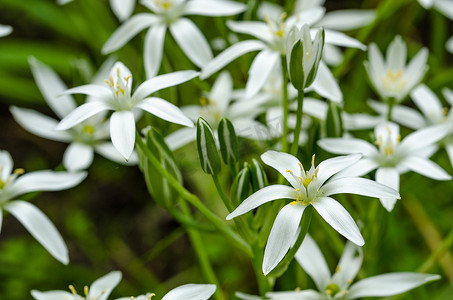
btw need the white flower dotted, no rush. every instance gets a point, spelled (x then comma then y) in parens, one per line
(99, 290)
(40, 227)
(5, 30)
(121, 8)
(169, 14)
(339, 285)
(117, 96)
(449, 45)
(216, 106)
(392, 78)
(311, 187)
(393, 155)
(83, 138)
(443, 6)
(271, 43)
(185, 292)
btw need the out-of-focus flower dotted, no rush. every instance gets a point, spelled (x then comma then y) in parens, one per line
(186, 292)
(12, 185)
(121, 8)
(169, 14)
(311, 187)
(445, 7)
(99, 290)
(117, 97)
(5, 30)
(449, 45)
(392, 78)
(85, 137)
(339, 285)
(392, 156)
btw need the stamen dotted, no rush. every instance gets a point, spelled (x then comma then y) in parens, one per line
(126, 78)
(19, 171)
(293, 203)
(85, 291)
(118, 72)
(313, 160)
(150, 296)
(72, 289)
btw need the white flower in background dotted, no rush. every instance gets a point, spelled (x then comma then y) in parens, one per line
(271, 43)
(432, 113)
(333, 21)
(5, 30)
(339, 285)
(311, 187)
(392, 156)
(169, 14)
(99, 290)
(12, 185)
(392, 78)
(449, 45)
(185, 292)
(116, 96)
(216, 106)
(121, 8)
(85, 138)
(445, 7)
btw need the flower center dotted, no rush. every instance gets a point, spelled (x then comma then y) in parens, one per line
(147, 298)
(393, 80)
(121, 92)
(307, 177)
(209, 110)
(11, 177)
(85, 292)
(165, 4)
(388, 145)
(278, 31)
(332, 289)
(88, 129)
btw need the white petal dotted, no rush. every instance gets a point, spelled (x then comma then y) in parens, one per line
(358, 186)
(347, 19)
(213, 8)
(6, 164)
(230, 54)
(77, 157)
(360, 121)
(5, 30)
(310, 258)
(40, 227)
(94, 90)
(396, 54)
(122, 132)
(296, 295)
(403, 115)
(122, 8)
(389, 177)
(164, 110)
(423, 138)
(362, 167)
(51, 87)
(347, 146)
(221, 91)
(449, 45)
(109, 151)
(260, 30)
(192, 41)
(339, 218)
(163, 81)
(39, 124)
(315, 108)
(308, 16)
(416, 69)
(326, 85)
(82, 113)
(427, 4)
(259, 72)
(349, 265)
(427, 101)
(445, 7)
(425, 167)
(46, 181)
(332, 55)
(340, 39)
(449, 148)
(448, 94)
(330, 167)
(181, 137)
(191, 292)
(262, 196)
(243, 296)
(128, 30)
(51, 295)
(282, 235)
(153, 48)
(102, 287)
(389, 284)
(282, 162)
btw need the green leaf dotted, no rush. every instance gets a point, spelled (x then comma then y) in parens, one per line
(334, 121)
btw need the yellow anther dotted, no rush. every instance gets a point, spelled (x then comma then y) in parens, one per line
(280, 32)
(316, 172)
(108, 82)
(19, 171)
(118, 72)
(85, 290)
(379, 140)
(328, 292)
(289, 171)
(337, 269)
(150, 296)
(72, 289)
(306, 181)
(398, 139)
(293, 203)
(297, 190)
(203, 101)
(301, 168)
(89, 129)
(388, 150)
(313, 160)
(349, 281)
(126, 78)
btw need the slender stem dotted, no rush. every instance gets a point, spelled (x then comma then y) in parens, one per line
(305, 223)
(285, 103)
(391, 103)
(300, 108)
(438, 36)
(437, 254)
(222, 194)
(257, 261)
(194, 200)
(200, 251)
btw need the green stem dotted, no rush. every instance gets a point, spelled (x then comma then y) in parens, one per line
(200, 251)
(285, 103)
(305, 223)
(438, 36)
(257, 261)
(300, 107)
(222, 194)
(391, 103)
(431, 260)
(194, 200)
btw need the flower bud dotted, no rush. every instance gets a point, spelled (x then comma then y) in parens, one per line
(228, 142)
(207, 148)
(240, 189)
(303, 56)
(258, 176)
